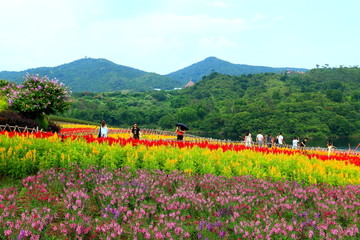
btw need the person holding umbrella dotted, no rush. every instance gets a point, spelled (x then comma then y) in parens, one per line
(180, 130)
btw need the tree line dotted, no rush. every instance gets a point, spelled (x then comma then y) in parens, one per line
(321, 102)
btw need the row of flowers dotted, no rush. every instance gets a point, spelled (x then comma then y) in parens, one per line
(120, 133)
(122, 137)
(22, 154)
(124, 204)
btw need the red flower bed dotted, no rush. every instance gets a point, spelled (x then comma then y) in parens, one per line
(352, 159)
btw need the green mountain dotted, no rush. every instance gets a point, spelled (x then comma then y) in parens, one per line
(101, 75)
(98, 75)
(212, 64)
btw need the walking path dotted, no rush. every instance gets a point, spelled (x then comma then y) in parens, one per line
(188, 137)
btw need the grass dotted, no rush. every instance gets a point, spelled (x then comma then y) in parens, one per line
(70, 120)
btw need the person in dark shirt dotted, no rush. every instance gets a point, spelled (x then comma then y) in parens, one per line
(135, 131)
(269, 140)
(303, 143)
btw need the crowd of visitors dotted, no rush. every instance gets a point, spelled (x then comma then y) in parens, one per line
(270, 141)
(135, 131)
(260, 140)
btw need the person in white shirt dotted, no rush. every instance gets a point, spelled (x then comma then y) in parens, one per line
(248, 139)
(260, 139)
(103, 132)
(295, 143)
(280, 139)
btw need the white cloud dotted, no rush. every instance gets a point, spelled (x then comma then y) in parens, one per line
(220, 4)
(35, 30)
(258, 17)
(215, 42)
(162, 35)
(157, 36)
(154, 27)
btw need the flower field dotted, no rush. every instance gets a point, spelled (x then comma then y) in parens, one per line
(82, 187)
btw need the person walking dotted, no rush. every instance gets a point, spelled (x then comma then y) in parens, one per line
(303, 143)
(260, 139)
(179, 133)
(280, 139)
(330, 146)
(135, 132)
(269, 140)
(295, 143)
(103, 131)
(248, 139)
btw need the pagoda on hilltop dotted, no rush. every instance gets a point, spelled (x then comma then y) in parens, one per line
(189, 84)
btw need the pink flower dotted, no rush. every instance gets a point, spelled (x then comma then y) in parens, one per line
(334, 231)
(159, 235)
(289, 228)
(178, 231)
(186, 234)
(79, 229)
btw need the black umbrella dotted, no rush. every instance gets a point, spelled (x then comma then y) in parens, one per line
(182, 126)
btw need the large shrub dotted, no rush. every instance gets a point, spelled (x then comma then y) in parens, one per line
(37, 97)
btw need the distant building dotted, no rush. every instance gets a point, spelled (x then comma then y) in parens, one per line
(189, 84)
(290, 71)
(157, 89)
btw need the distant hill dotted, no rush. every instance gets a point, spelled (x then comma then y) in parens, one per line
(101, 75)
(98, 75)
(212, 64)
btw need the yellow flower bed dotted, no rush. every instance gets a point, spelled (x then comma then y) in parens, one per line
(23, 155)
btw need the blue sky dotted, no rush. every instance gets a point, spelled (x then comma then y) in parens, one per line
(163, 36)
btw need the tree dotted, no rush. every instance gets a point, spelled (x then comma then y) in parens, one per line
(3, 104)
(355, 97)
(38, 97)
(3, 83)
(334, 95)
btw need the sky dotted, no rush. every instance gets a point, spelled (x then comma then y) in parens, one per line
(163, 36)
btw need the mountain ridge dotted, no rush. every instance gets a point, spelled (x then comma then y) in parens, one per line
(213, 64)
(102, 75)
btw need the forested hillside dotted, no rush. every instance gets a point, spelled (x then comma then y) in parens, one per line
(101, 75)
(319, 103)
(212, 64)
(98, 75)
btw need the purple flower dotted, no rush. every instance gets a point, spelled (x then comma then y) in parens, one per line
(22, 234)
(222, 233)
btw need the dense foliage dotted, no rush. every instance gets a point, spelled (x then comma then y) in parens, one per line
(37, 95)
(28, 104)
(319, 103)
(14, 119)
